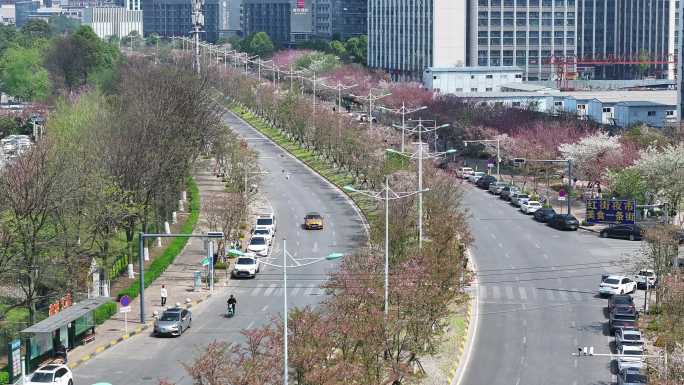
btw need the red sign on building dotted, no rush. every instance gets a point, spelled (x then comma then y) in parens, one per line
(300, 4)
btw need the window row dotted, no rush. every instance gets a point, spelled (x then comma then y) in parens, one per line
(524, 3)
(496, 22)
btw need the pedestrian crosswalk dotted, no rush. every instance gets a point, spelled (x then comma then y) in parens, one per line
(531, 294)
(276, 289)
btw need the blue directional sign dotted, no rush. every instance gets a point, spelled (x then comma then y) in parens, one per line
(611, 211)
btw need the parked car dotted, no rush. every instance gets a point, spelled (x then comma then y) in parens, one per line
(644, 276)
(258, 245)
(263, 231)
(620, 300)
(631, 232)
(485, 181)
(173, 322)
(267, 220)
(628, 337)
(52, 374)
(313, 221)
(632, 376)
(564, 222)
(246, 267)
(630, 357)
(495, 188)
(544, 214)
(616, 284)
(464, 172)
(507, 191)
(473, 178)
(529, 207)
(518, 199)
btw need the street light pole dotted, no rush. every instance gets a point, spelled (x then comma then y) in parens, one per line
(384, 195)
(285, 315)
(403, 111)
(371, 98)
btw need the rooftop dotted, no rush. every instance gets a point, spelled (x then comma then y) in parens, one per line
(473, 69)
(66, 316)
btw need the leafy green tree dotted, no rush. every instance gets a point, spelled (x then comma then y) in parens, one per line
(23, 75)
(36, 29)
(9, 125)
(358, 48)
(8, 37)
(628, 184)
(338, 48)
(152, 39)
(318, 62)
(261, 44)
(73, 59)
(61, 25)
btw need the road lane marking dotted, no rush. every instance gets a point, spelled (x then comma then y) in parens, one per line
(493, 236)
(563, 295)
(263, 309)
(310, 289)
(537, 246)
(549, 295)
(495, 292)
(546, 256)
(523, 293)
(483, 291)
(295, 291)
(500, 245)
(269, 290)
(509, 292)
(257, 289)
(250, 325)
(524, 340)
(508, 255)
(576, 294)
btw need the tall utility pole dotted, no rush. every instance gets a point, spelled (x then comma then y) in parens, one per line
(420, 129)
(370, 99)
(197, 25)
(403, 111)
(498, 152)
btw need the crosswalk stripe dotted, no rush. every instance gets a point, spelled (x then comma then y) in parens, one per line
(535, 295)
(549, 295)
(576, 294)
(495, 292)
(563, 295)
(509, 292)
(523, 293)
(270, 290)
(257, 289)
(295, 291)
(483, 291)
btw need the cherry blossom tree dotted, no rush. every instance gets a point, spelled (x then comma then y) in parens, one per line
(664, 172)
(592, 154)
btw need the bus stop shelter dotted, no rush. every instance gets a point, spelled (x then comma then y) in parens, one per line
(68, 328)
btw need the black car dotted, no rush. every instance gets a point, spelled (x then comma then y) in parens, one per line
(564, 222)
(621, 301)
(622, 321)
(544, 214)
(631, 232)
(485, 181)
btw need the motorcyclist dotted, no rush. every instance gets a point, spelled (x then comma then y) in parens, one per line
(232, 302)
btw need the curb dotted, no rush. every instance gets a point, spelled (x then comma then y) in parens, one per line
(460, 365)
(137, 331)
(589, 229)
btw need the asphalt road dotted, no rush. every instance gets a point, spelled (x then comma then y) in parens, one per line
(292, 190)
(537, 298)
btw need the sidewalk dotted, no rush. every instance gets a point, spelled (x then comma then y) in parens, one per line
(178, 279)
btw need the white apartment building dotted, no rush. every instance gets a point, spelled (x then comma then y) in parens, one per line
(113, 21)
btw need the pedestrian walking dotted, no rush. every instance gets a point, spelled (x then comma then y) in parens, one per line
(164, 294)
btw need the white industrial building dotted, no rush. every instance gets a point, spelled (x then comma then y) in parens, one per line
(114, 21)
(471, 79)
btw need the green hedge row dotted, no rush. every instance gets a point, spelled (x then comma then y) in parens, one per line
(104, 312)
(160, 263)
(4, 378)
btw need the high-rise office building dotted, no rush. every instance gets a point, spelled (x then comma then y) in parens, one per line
(626, 30)
(23, 9)
(522, 33)
(173, 18)
(679, 54)
(407, 36)
(270, 16)
(340, 19)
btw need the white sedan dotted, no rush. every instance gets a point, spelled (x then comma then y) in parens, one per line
(529, 207)
(630, 357)
(472, 178)
(259, 246)
(52, 374)
(617, 284)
